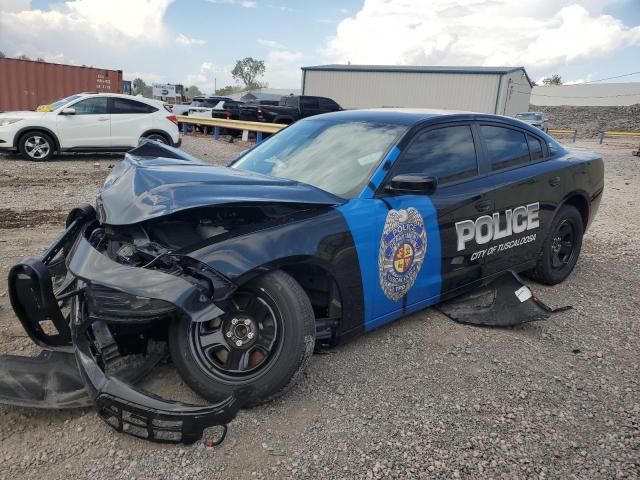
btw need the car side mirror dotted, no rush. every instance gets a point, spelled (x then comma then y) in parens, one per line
(68, 111)
(413, 184)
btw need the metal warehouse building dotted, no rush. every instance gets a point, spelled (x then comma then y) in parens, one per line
(501, 90)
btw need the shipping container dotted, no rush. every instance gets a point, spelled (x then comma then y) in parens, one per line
(25, 84)
(500, 90)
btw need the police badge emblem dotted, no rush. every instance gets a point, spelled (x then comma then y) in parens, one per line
(402, 250)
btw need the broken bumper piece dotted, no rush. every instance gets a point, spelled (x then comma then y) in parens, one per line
(138, 413)
(505, 302)
(82, 364)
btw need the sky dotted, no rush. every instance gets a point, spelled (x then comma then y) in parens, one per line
(196, 41)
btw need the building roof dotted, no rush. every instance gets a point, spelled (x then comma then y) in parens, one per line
(418, 69)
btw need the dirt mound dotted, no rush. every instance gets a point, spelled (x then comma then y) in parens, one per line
(590, 121)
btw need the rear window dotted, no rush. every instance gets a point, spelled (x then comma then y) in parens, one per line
(124, 105)
(535, 148)
(505, 147)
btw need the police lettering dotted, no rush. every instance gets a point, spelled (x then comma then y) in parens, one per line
(487, 228)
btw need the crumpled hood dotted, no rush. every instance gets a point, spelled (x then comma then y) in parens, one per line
(145, 186)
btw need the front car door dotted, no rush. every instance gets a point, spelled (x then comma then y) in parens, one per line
(89, 126)
(406, 242)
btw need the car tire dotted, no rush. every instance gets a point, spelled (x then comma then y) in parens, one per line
(36, 146)
(281, 318)
(561, 248)
(158, 137)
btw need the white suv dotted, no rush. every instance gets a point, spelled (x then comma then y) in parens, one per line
(88, 122)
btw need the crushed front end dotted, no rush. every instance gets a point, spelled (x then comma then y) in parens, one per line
(98, 302)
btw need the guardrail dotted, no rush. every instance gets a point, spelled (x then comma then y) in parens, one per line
(563, 131)
(615, 134)
(218, 123)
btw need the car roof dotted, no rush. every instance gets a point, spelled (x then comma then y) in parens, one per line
(409, 116)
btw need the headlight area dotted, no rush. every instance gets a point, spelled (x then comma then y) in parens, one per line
(120, 298)
(112, 305)
(5, 122)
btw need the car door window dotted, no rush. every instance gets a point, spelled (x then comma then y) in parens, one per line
(309, 103)
(535, 148)
(447, 153)
(126, 106)
(505, 147)
(91, 106)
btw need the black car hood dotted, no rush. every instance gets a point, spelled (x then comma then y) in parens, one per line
(153, 181)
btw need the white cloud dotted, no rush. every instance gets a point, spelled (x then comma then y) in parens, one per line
(14, 5)
(283, 68)
(271, 44)
(185, 41)
(204, 78)
(539, 34)
(146, 76)
(113, 22)
(241, 3)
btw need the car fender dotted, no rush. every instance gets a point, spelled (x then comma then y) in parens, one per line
(322, 239)
(23, 130)
(164, 133)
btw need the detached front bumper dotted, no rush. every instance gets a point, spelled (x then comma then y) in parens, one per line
(75, 369)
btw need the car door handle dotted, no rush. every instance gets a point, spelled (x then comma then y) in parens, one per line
(103, 119)
(528, 181)
(554, 181)
(484, 205)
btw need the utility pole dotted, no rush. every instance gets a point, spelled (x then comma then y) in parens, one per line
(215, 88)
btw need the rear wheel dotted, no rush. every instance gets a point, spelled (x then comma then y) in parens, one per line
(158, 137)
(36, 146)
(256, 349)
(561, 248)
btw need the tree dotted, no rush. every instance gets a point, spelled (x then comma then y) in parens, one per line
(39, 59)
(554, 79)
(22, 57)
(247, 71)
(193, 91)
(228, 90)
(2, 55)
(139, 86)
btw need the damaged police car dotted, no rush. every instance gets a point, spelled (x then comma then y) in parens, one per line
(334, 226)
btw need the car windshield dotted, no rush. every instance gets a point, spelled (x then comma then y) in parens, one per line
(336, 157)
(60, 103)
(529, 116)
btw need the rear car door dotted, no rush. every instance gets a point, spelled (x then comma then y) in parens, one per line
(89, 126)
(129, 120)
(525, 193)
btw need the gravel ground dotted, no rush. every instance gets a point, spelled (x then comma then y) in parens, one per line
(423, 397)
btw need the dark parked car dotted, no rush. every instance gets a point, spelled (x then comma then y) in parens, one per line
(290, 109)
(329, 229)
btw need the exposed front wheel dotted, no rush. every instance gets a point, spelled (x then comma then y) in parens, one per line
(561, 248)
(256, 349)
(36, 146)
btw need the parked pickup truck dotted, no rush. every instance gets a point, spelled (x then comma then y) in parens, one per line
(289, 109)
(204, 102)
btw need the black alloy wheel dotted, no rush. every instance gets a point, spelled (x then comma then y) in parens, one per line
(240, 342)
(562, 245)
(255, 350)
(561, 248)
